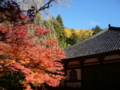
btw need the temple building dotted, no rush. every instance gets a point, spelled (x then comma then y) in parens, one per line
(94, 63)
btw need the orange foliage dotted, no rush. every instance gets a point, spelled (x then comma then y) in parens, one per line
(38, 61)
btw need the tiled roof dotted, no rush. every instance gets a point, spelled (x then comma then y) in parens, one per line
(104, 41)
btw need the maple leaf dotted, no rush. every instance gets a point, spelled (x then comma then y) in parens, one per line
(35, 63)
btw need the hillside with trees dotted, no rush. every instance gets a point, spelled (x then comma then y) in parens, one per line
(67, 37)
(75, 36)
(60, 33)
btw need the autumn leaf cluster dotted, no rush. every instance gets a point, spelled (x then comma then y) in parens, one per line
(36, 61)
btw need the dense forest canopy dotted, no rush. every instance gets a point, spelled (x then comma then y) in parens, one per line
(68, 37)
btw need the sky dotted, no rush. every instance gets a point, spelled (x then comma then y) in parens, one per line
(86, 14)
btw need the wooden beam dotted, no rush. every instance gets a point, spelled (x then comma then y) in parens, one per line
(101, 59)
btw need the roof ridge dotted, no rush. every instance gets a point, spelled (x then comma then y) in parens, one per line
(105, 41)
(88, 38)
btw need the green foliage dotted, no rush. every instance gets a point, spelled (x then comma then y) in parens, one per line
(59, 19)
(60, 33)
(96, 29)
(75, 36)
(73, 39)
(10, 81)
(46, 24)
(66, 37)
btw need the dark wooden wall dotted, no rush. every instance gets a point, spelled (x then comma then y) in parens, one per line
(101, 77)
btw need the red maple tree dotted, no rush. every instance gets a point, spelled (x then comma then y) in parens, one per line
(37, 61)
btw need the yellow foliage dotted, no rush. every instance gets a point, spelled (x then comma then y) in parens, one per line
(85, 32)
(68, 32)
(77, 32)
(82, 33)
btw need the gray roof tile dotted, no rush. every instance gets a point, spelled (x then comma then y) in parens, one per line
(104, 41)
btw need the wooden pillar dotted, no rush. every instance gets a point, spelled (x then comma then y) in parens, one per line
(101, 60)
(81, 67)
(65, 68)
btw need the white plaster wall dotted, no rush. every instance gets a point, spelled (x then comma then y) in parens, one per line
(73, 62)
(112, 57)
(68, 74)
(91, 60)
(78, 74)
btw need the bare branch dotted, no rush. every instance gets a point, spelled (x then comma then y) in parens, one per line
(47, 5)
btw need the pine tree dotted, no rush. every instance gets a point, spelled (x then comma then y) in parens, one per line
(96, 29)
(59, 19)
(60, 33)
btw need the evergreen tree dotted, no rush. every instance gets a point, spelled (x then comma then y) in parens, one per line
(59, 19)
(96, 29)
(60, 33)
